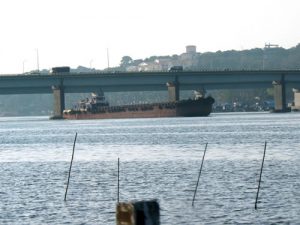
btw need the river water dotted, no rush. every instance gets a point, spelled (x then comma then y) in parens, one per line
(159, 159)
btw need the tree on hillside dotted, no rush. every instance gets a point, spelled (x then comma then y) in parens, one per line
(136, 62)
(126, 61)
(151, 59)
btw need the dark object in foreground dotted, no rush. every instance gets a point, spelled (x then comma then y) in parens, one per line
(138, 213)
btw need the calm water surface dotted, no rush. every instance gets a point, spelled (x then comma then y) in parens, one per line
(160, 159)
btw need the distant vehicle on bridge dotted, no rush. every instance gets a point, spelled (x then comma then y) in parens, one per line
(62, 69)
(34, 72)
(175, 69)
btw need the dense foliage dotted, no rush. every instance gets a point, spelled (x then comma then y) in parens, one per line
(253, 59)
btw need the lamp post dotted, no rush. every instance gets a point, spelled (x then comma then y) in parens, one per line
(24, 65)
(91, 61)
(37, 60)
(107, 55)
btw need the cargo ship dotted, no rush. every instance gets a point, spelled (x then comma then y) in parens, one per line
(97, 107)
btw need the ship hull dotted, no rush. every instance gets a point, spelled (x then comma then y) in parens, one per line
(185, 108)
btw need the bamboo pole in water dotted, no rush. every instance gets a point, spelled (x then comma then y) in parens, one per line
(70, 167)
(261, 170)
(199, 174)
(118, 179)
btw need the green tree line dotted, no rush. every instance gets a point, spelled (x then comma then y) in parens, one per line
(253, 59)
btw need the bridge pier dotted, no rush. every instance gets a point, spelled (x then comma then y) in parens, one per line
(173, 90)
(280, 96)
(59, 101)
(296, 103)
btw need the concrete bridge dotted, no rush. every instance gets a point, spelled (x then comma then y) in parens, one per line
(62, 83)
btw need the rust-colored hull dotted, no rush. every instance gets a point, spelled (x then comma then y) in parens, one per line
(186, 108)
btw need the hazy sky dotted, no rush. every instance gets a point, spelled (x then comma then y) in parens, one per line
(79, 32)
